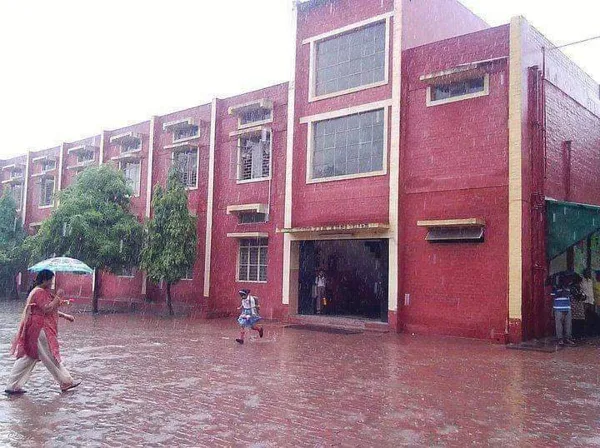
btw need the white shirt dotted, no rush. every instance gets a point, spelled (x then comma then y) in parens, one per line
(320, 280)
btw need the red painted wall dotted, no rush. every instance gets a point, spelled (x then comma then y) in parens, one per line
(425, 21)
(454, 164)
(224, 298)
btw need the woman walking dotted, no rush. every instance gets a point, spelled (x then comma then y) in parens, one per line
(37, 337)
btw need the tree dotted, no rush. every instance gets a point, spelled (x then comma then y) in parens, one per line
(170, 248)
(93, 223)
(13, 253)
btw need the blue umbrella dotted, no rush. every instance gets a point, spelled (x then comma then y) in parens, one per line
(62, 264)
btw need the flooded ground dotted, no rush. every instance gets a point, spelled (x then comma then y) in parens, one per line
(151, 381)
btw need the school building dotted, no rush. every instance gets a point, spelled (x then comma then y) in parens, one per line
(434, 168)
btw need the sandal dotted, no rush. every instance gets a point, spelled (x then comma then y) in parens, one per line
(239, 341)
(260, 332)
(71, 386)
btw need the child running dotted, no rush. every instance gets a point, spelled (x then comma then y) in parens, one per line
(249, 316)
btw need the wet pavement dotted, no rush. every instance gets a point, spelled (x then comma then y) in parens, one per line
(153, 381)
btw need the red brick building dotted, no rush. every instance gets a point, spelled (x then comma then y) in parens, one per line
(410, 158)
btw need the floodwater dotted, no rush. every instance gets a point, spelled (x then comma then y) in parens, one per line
(153, 381)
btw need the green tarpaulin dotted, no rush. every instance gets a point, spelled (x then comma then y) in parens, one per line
(569, 223)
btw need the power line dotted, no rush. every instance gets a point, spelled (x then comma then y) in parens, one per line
(574, 43)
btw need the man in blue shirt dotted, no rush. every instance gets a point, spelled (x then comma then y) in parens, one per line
(562, 314)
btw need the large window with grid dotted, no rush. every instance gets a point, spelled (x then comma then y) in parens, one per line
(132, 175)
(48, 165)
(255, 157)
(350, 145)
(351, 60)
(134, 144)
(253, 260)
(46, 191)
(186, 163)
(260, 115)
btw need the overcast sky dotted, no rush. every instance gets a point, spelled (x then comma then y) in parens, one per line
(70, 68)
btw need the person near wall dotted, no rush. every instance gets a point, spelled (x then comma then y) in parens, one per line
(321, 285)
(577, 305)
(37, 337)
(587, 287)
(249, 316)
(562, 313)
(597, 292)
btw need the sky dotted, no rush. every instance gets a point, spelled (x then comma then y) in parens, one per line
(71, 68)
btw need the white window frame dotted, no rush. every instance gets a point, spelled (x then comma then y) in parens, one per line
(239, 165)
(43, 180)
(185, 139)
(313, 41)
(139, 179)
(468, 96)
(237, 265)
(195, 148)
(255, 123)
(310, 144)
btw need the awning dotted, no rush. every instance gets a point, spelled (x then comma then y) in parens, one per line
(460, 72)
(242, 208)
(349, 229)
(262, 103)
(568, 223)
(127, 138)
(249, 235)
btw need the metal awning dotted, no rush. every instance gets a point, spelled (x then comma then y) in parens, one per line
(348, 229)
(250, 106)
(82, 148)
(468, 222)
(242, 208)
(126, 138)
(460, 72)
(254, 131)
(568, 223)
(176, 125)
(248, 235)
(14, 166)
(127, 156)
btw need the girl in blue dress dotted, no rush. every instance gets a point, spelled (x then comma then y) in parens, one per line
(249, 316)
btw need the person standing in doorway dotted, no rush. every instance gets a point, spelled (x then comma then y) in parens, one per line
(562, 313)
(249, 316)
(321, 284)
(587, 287)
(577, 305)
(37, 337)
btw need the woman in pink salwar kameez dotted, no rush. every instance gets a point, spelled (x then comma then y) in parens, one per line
(37, 337)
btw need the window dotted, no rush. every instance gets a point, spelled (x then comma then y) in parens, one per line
(85, 156)
(46, 191)
(255, 157)
(189, 274)
(48, 165)
(351, 60)
(348, 145)
(186, 163)
(456, 91)
(455, 234)
(260, 115)
(127, 271)
(253, 260)
(132, 175)
(17, 193)
(185, 133)
(16, 173)
(134, 144)
(252, 217)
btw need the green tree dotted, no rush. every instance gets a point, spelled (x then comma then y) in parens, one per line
(170, 248)
(13, 253)
(93, 223)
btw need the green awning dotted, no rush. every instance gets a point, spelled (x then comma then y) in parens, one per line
(568, 224)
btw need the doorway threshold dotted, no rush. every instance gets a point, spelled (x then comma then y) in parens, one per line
(340, 322)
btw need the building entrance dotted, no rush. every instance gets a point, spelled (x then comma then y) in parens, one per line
(344, 278)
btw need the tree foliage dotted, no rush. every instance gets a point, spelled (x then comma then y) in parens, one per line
(170, 248)
(93, 223)
(13, 252)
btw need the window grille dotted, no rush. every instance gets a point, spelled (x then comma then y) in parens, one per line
(85, 156)
(255, 116)
(457, 89)
(253, 258)
(255, 157)
(185, 133)
(252, 217)
(186, 163)
(132, 175)
(46, 191)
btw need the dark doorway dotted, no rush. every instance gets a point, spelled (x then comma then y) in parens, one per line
(356, 273)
